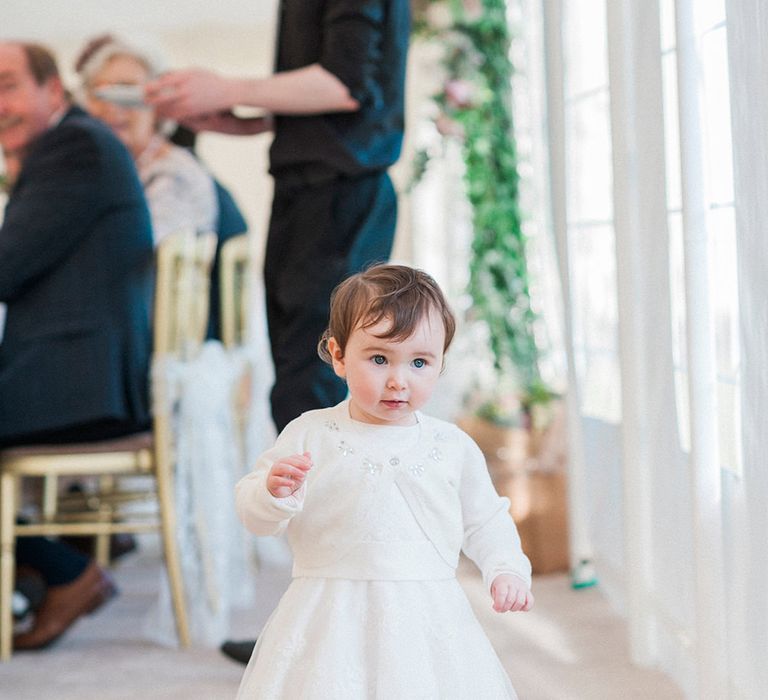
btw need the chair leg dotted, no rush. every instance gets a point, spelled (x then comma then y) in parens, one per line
(7, 561)
(50, 497)
(102, 542)
(107, 484)
(171, 551)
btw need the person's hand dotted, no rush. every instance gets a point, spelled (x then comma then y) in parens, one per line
(229, 123)
(287, 475)
(510, 593)
(188, 93)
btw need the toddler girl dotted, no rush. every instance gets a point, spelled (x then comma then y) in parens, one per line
(378, 500)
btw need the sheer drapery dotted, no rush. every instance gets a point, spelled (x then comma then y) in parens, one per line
(677, 469)
(746, 515)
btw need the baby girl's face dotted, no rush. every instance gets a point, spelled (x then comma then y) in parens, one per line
(388, 380)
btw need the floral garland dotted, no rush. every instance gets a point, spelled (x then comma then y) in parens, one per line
(475, 108)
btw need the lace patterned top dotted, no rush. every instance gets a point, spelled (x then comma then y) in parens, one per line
(180, 193)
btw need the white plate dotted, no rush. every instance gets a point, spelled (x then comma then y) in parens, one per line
(123, 95)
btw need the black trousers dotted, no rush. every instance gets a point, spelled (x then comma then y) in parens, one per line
(319, 234)
(56, 561)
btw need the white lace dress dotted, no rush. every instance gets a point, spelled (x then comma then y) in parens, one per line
(374, 609)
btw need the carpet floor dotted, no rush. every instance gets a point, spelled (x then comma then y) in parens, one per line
(572, 646)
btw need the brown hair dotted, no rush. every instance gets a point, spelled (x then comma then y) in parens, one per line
(41, 62)
(397, 292)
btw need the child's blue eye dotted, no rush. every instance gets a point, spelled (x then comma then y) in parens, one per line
(419, 363)
(379, 359)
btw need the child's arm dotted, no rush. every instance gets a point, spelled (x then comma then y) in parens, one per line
(288, 474)
(490, 536)
(510, 594)
(267, 498)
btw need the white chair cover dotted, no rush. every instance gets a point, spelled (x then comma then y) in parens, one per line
(216, 565)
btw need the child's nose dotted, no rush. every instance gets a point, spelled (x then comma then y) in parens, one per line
(396, 380)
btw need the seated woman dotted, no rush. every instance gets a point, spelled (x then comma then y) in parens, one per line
(181, 194)
(179, 191)
(230, 223)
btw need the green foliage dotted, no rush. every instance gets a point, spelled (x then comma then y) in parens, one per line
(477, 98)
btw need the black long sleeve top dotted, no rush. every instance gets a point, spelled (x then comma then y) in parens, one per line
(364, 43)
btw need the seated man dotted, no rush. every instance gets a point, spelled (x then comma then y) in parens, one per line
(76, 274)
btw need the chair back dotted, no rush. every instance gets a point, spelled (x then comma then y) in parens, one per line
(179, 324)
(235, 270)
(182, 291)
(182, 287)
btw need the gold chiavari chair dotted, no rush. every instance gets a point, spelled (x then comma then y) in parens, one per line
(179, 324)
(234, 274)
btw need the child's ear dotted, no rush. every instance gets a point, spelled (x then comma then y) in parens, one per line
(337, 357)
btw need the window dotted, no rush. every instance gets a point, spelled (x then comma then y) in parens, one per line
(589, 209)
(712, 87)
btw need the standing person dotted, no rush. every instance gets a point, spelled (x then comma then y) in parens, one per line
(76, 275)
(378, 500)
(337, 96)
(338, 100)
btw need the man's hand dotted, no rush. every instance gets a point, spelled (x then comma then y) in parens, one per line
(288, 474)
(229, 123)
(510, 593)
(189, 93)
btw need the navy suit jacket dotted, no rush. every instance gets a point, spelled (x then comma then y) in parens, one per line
(76, 273)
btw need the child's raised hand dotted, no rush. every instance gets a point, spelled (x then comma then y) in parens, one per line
(510, 593)
(288, 474)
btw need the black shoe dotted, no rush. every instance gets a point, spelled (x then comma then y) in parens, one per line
(238, 651)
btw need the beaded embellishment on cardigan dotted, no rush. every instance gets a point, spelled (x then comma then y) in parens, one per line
(345, 448)
(369, 466)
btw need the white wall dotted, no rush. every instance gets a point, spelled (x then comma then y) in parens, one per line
(49, 20)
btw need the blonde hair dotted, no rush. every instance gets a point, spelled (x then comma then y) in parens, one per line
(402, 294)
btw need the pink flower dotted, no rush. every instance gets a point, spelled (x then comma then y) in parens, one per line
(459, 93)
(473, 10)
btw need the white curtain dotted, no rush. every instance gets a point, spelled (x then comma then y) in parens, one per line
(670, 488)
(746, 514)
